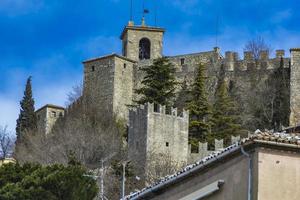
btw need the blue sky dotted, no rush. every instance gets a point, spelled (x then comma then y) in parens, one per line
(49, 39)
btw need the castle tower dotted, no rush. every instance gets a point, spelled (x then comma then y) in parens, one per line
(156, 133)
(295, 87)
(47, 117)
(142, 42)
(108, 84)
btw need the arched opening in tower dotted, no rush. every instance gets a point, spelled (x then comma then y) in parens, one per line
(144, 49)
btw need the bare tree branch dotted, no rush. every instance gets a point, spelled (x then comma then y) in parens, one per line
(6, 143)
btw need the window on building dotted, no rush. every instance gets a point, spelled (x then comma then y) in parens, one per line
(93, 68)
(144, 49)
(125, 66)
(167, 144)
(182, 60)
(60, 114)
(53, 114)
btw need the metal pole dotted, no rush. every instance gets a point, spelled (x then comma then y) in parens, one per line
(101, 181)
(131, 10)
(123, 182)
(249, 172)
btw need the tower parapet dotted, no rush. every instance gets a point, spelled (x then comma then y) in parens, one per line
(203, 150)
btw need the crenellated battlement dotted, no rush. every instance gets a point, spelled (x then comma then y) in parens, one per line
(204, 151)
(151, 108)
(232, 61)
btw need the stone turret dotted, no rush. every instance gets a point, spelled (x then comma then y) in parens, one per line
(157, 131)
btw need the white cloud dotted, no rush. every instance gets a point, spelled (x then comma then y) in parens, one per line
(9, 109)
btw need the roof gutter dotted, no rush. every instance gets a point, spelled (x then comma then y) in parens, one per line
(278, 144)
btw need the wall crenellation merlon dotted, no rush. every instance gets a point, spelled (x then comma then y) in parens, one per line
(232, 56)
(160, 109)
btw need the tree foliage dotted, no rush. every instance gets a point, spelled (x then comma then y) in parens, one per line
(159, 84)
(273, 109)
(225, 119)
(55, 182)
(27, 117)
(199, 107)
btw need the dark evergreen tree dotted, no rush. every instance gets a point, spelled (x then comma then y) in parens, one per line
(184, 96)
(225, 120)
(281, 101)
(53, 182)
(27, 118)
(158, 85)
(199, 108)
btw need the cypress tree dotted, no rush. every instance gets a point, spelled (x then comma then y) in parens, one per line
(281, 102)
(224, 119)
(159, 84)
(199, 108)
(27, 118)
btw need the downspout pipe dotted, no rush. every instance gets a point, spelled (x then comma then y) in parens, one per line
(250, 170)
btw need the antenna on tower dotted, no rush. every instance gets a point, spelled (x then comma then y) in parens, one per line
(217, 28)
(131, 10)
(155, 13)
(131, 23)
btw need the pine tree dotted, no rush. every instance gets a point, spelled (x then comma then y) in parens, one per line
(159, 83)
(225, 119)
(184, 96)
(27, 118)
(199, 108)
(281, 102)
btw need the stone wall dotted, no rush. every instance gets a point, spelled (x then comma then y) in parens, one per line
(108, 84)
(98, 84)
(295, 87)
(154, 131)
(204, 151)
(123, 87)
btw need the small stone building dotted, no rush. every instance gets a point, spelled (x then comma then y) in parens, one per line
(47, 116)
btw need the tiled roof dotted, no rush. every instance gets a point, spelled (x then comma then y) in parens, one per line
(108, 56)
(50, 106)
(258, 136)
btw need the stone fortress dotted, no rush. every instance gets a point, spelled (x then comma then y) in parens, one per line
(110, 81)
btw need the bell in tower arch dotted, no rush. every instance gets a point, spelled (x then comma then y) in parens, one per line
(144, 49)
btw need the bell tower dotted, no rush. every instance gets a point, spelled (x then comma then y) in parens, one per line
(142, 42)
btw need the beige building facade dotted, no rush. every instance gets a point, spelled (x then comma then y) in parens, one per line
(273, 173)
